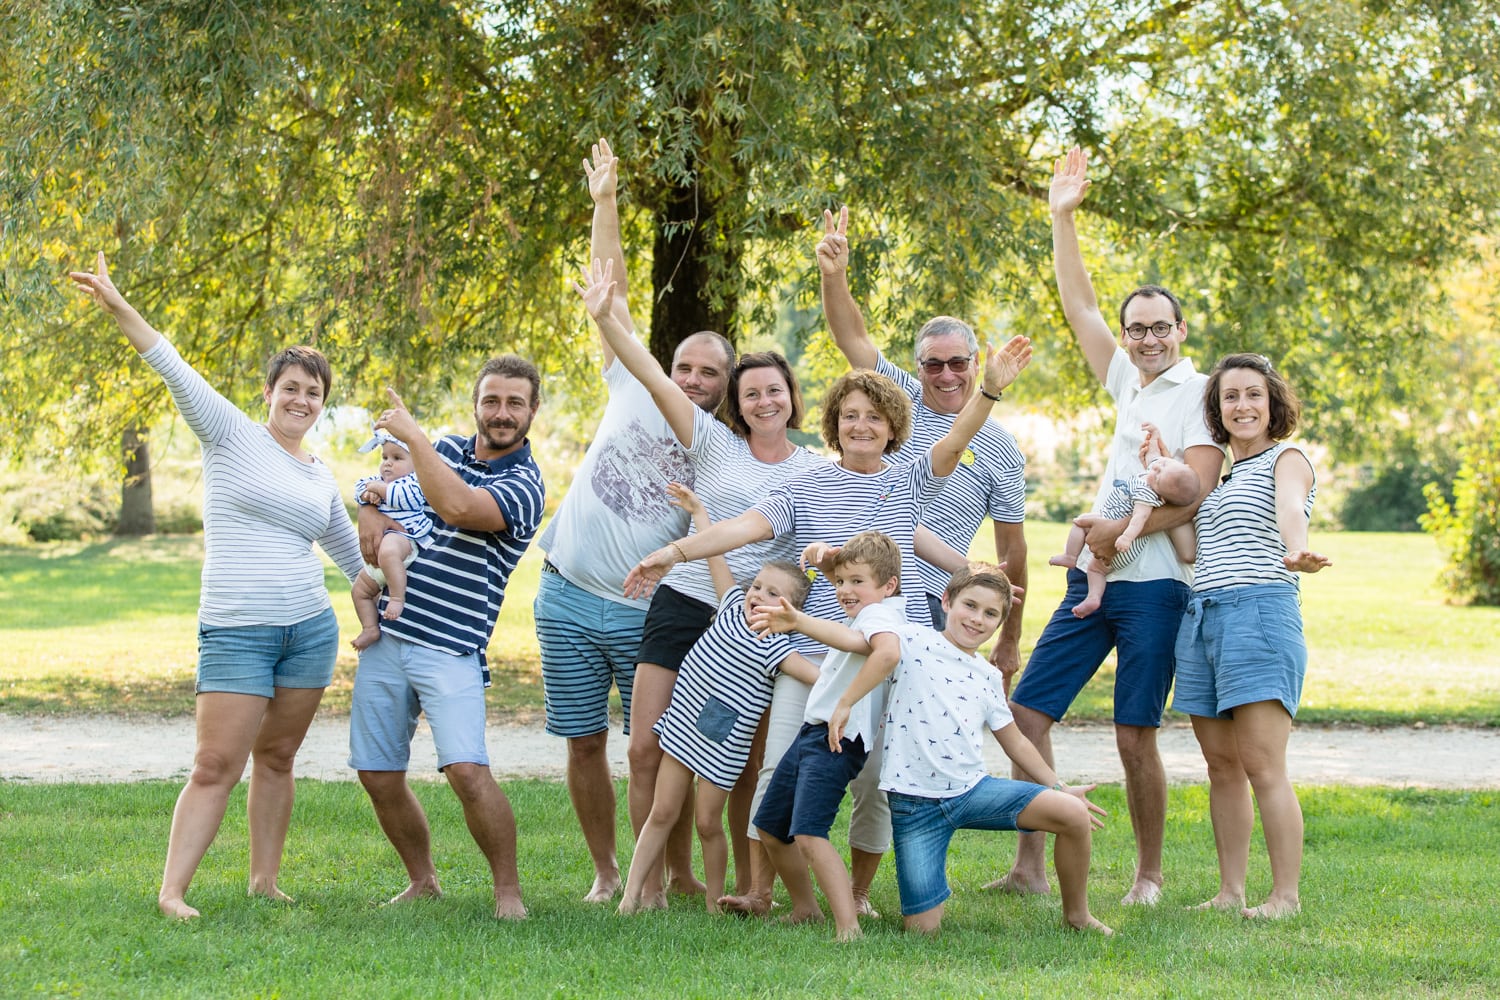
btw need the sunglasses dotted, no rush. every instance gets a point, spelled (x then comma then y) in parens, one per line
(958, 366)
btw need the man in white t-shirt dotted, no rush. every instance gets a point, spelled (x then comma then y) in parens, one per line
(616, 511)
(1150, 383)
(990, 480)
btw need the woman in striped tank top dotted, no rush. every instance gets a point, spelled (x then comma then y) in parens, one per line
(1240, 652)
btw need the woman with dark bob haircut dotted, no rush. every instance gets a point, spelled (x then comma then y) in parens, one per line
(1240, 653)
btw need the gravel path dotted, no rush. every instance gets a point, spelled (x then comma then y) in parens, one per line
(104, 748)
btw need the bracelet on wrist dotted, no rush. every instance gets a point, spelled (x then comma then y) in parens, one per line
(678, 549)
(993, 397)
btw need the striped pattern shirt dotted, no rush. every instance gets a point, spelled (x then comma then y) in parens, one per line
(990, 479)
(455, 588)
(1238, 541)
(405, 503)
(263, 510)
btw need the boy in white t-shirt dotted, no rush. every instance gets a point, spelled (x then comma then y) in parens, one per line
(944, 698)
(803, 797)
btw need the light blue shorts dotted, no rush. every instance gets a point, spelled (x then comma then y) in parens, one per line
(398, 680)
(258, 659)
(922, 829)
(588, 644)
(1240, 645)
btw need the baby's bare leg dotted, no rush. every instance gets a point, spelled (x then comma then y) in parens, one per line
(1074, 546)
(394, 548)
(1090, 604)
(366, 594)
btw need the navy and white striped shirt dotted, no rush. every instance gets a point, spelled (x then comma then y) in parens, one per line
(456, 586)
(1238, 541)
(990, 478)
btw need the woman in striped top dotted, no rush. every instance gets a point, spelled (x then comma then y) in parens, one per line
(1240, 652)
(267, 635)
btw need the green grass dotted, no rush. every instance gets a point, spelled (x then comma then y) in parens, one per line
(1393, 905)
(110, 627)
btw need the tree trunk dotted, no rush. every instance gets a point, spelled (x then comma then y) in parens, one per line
(690, 247)
(136, 515)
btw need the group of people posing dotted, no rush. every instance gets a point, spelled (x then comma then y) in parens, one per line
(780, 627)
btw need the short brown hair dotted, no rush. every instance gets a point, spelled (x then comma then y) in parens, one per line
(885, 395)
(1285, 407)
(749, 362)
(511, 366)
(980, 575)
(309, 359)
(876, 550)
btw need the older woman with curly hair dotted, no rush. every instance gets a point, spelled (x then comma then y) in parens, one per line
(1240, 652)
(866, 417)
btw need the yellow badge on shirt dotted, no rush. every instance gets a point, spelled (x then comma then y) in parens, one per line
(967, 458)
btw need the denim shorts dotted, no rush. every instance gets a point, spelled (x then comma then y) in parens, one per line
(673, 623)
(1137, 619)
(258, 659)
(397, 680)
(1240, 645)
(922, 829)
(588, 644)
(807, 788)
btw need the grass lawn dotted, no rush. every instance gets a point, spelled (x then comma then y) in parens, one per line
(110, 627)
(1394, 905)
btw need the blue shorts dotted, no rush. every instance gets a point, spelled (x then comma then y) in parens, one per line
(805, 791)
(922, 829)
(588, 644)
(1138, 619)
(1240, 645)
(258, 659)
(397, 680)
(673, 623)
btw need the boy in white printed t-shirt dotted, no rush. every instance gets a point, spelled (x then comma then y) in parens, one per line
(803, 797)
(397, 493)
(944, 698)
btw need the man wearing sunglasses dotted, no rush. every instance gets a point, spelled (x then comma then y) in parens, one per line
(991, 476)
(1150, 382)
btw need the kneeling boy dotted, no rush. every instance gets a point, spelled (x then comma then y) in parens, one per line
(945, 697)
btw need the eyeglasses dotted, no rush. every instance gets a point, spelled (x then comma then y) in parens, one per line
(1160, 331)
(934, 366)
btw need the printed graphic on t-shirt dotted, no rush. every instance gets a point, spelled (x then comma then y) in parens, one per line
(632, 473)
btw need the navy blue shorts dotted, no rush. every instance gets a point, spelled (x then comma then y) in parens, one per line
(804, 794)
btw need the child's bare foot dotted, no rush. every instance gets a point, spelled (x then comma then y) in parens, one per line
(853, 933)
(685, 885)
(1145, 892)
(1063, 560)
(425, 889)
(1273, 909)
(1090, 923)
(751, 904)
(393, 609)
(713, 905)
(1016, 883)
(800, 916)
(1223, 901)
(367, 637)
(508, 906)
(1085, 607)
(176, 908)
(862, 905)
(606, 885)
(629, 906)
(273, 894)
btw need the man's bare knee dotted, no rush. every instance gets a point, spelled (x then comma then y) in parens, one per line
(469, 781)
(586, 749)
(1137, 747)
(1033, 724)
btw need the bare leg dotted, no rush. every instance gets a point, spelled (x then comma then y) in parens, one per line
(593, 795)
(862, 868)
(1146, 796)
(709, 818)
(643, 882)
(227, 725)
(1263, 729)
(405, 826)
(926, 922)
(366, 595)
(833, 878)
(394, 549)
(492, 824)
(756, 901)
(1071, 550)
(650, 695)
(272, 789)
(1068, 818)
(1028, 874)
(1095, 596)
(740, 799)
(1229, 808)
(788, 862)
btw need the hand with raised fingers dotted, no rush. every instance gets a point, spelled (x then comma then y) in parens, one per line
(643, 578)
(598, 288)
(1003, 366)
(1152, 446)
(833, 248)
(398, 421)
(602, 172)
(683, 496)
(774, 619)
(97, 286)
(1070, 181)
(1096, 812)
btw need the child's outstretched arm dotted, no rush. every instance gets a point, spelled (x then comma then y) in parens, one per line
(799, 667)
(885, 653)
(782, 617)
(718, 568)
(1024, 754)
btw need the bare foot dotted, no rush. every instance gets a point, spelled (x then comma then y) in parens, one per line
(509, 907)
(1016, 883)
(862, 905)
(801, 917)
(1091, 924)
(176, 908)
(629, 906)
(393, 609)
(367, 637)
(850, 933)
(1144, 893)
(1085, 607)
(1272, 909)
(417, 890)
(1063, 560)
(605, 887)
(749, 905)
(686, 886)
(1223, 901)
(713, 905)
(273, 895)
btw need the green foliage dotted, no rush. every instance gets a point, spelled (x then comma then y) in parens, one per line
(1394, 498)
(1468, 529)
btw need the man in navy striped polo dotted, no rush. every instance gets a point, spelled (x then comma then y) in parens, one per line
(485, 497)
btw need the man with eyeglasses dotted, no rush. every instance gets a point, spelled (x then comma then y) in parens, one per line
(991, 476)
(1150, 382)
